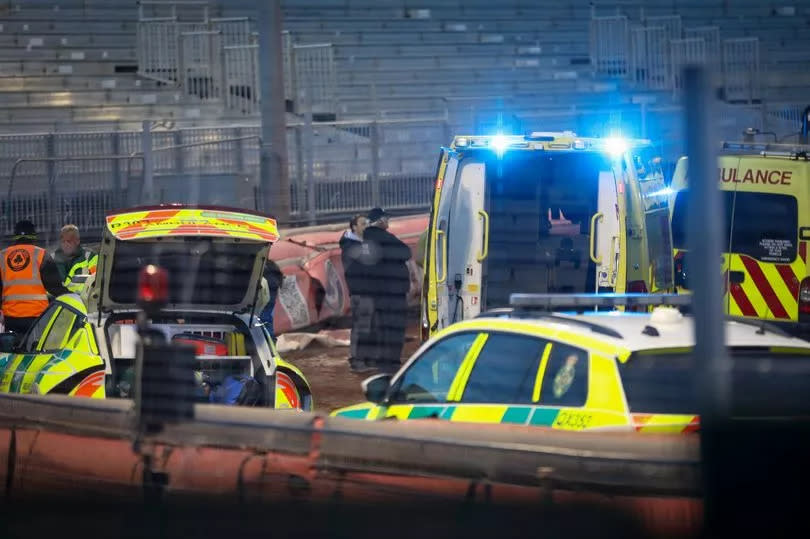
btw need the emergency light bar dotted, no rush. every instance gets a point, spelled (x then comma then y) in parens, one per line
(560, 301)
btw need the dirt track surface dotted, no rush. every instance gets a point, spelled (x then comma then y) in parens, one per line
(327, 369)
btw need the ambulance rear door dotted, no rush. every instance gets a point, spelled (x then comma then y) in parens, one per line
(468, 241)
(434, 305)
(764, 263)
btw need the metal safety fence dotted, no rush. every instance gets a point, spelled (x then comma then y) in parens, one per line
(334, 168)
(218, 59)
(653, 53)
(314, 80)
(688, 51)
(651, 57)
(741, 69)
(609, 46)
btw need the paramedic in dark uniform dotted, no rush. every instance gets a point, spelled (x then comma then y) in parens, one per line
(387, 281)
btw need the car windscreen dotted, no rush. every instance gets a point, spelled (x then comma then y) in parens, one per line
(764, 382)
(765, 225)
(201, 271)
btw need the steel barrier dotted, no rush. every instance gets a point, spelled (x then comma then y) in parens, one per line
(741, 70)
(201, 73)
(609, 45)
(241, 71)
(651, 57)
(688, 51)
(670, 23)
(710, 35)
(335, 167)
(314, 76)
(234, 30)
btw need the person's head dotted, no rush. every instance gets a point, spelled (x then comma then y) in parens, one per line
(25, 229)
(358, 224)
(69, 239)
(377, 217)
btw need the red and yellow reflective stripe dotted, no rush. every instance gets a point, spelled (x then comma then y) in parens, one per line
(665, 423)
(769, 291)
(192, 222)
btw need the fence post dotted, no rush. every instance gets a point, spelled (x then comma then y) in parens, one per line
(299, 169)
(147, 189)
(177, 140)
(50, 144)
(116, 150)
(375, 164)
(274, 177)
(240, 150)
(308, 137)
(709, 361)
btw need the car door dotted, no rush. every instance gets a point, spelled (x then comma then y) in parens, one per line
(16, 364)
(429, 384)
(60, 355)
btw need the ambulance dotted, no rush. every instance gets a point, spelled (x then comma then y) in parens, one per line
(543, 213)
(766, 198)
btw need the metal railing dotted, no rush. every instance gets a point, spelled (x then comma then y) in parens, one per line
(610, 46)
(741, 70)
(314, 77)
(651, 57)
(711, 36)
(335, 168)
(241, 67)
(688, 51)
(201, 70)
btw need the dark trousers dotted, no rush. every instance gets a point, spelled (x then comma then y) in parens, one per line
(362, 341)
(390, 319)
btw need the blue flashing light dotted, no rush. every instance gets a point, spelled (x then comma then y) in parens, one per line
(499, 143)
(616, 146)
(665, 192)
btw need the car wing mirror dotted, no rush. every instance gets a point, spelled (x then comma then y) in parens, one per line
(376, 387)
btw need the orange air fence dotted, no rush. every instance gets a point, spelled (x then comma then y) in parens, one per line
(86, 452)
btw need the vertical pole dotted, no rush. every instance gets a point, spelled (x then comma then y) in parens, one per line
(274, 181)
(310, 153)
(375, 164)
(148, 188)
(116, 167)
(705, 243)
(643, 120)
(52, 204)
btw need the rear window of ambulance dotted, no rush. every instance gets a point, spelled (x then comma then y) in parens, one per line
(764, 382)
(765, 225)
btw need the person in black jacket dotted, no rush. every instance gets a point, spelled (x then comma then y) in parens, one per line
(351, 250)
(387, 281)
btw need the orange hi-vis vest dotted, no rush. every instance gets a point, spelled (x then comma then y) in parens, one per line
(24, 295)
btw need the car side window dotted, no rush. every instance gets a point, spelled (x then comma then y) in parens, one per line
(505, 370)
(430, 376)
(62, 325)
(565, 381)
(31, 342)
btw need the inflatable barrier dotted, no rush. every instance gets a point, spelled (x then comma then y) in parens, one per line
(85, 450)
(314, 288)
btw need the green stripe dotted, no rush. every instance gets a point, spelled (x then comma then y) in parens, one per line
(516, 414)
(45, 368)
(421, 412)
(355, 414)
(448, 413)
(544, 416)
(17, 379)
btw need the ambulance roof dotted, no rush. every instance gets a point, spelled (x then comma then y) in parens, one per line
(663, 328)
(546, 140)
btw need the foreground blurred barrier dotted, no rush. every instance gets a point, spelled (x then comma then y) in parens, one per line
(78, 449)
